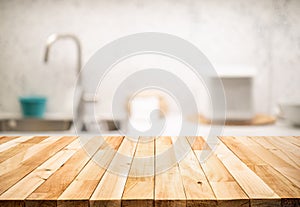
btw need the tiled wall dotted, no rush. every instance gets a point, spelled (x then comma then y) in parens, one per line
(264, 34)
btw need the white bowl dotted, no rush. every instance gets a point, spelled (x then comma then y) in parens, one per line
(291, 112)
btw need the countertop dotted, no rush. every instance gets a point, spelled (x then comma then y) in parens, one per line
(40, 171)
(280, 128)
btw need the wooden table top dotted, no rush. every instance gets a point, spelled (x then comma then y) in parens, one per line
(44, 171)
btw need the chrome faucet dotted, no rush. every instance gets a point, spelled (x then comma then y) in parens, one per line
(54, 37)
(51, 40)
(78, 115)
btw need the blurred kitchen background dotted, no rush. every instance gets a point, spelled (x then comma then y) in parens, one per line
(254, 46)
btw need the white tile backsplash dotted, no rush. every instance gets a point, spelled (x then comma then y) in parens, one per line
(263, 34)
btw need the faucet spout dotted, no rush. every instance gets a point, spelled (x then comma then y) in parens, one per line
(54, 37)
(46, 54)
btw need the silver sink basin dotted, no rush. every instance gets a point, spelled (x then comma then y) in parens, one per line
(37, 125)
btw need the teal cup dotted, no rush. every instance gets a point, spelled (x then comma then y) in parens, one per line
(33, 106)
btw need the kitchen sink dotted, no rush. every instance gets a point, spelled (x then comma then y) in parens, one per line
(32, 124)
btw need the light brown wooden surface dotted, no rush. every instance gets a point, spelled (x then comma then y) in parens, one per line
(281, 185)
(226, 189)
(197, 189)
(139, 186)
(257, 120)
(4, 139)
(46, 171)
(169, 189)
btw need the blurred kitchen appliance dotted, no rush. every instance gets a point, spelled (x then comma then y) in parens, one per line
(238, 88)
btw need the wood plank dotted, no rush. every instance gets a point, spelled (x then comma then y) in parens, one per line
(81, 189)
(281, 147)
(288, 142)
(276, 162)
(281, 185)
(13, 142)
(29, 183)
(4, 139)
(139, 187)
(105, 153)
(110, 189)
(54, 186)
(220, 178)
(284, 143)
(169, 190)
(17, 160)
(197, 143)
(295, 140)
(258, 191)
(23, 146)
(197, 189)
(243, 151)
(10, 178)
(284, 148)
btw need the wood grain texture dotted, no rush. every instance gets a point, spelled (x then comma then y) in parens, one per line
(21, 190)
(110, 189)
(278, 163)
(4, 139)
(15, 161)
(57, 183)
(23, 146)
(294, 140)
(169, 189)
(197, 188)
(81, 189)
(280, 184)
(13, 142)
(220, 178)
(259, 192)
(139, 186)
(281, 147)
(10, 178)
(51, 171)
